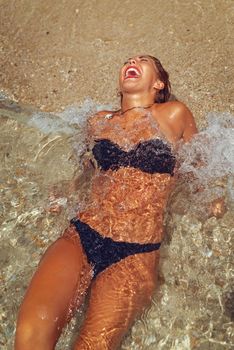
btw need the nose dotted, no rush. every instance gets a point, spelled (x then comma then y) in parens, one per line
(132, 61)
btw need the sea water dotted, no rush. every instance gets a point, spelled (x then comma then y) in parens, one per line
(193, 304)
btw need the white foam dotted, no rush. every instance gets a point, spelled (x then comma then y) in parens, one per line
(210, 156)
(68, 121)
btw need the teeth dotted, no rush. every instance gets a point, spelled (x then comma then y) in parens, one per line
(131, 70)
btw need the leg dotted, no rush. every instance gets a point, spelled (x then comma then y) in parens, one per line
(53, 294)
(119, 294)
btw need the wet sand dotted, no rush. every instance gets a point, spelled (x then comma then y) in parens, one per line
(55, 54)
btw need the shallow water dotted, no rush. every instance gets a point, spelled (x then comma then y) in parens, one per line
(40, 157)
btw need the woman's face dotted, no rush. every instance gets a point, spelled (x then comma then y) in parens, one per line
(138, 74)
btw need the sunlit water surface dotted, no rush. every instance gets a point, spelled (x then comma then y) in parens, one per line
(40, 157)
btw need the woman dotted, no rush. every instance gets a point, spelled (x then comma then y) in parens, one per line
(112, 245)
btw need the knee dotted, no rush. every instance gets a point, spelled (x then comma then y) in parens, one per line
(100, 338)
(25, 334)
(35, 334)
(97, 342)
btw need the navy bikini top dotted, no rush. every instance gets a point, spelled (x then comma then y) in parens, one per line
(152, 156)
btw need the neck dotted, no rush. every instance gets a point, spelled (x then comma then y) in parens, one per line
(134, 101)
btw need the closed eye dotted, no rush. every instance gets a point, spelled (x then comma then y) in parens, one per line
(144, 59)
(141, 58)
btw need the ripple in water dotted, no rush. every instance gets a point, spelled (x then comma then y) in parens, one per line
(192, 307)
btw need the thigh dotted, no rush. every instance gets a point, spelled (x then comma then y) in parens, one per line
(56, 288)
(118, 296)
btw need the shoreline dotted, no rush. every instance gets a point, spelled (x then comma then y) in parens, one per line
(51, 63)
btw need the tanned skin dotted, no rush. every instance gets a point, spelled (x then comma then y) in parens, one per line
(63, 275)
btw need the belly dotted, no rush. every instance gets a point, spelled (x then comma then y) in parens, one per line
(128, 205)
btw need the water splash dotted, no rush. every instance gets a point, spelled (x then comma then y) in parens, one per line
(207, 162)
(67, 122)
(196, 261)
(72, 122)
(213, 147)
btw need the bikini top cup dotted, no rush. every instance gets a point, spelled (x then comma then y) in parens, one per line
(151, 156)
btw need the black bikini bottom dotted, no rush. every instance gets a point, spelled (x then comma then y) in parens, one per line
(102, 252)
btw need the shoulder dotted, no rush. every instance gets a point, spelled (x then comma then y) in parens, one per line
(179, 118)
(97, 117)
(182, 115)
(97, 121)
(175, 110)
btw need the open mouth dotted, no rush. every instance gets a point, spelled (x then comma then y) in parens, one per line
(132, 72)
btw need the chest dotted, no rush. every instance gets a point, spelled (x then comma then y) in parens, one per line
(127, 132)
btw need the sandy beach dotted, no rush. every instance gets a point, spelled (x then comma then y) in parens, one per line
(56, 53)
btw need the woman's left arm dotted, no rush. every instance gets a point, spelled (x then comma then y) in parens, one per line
(217, 207)
(188, 124)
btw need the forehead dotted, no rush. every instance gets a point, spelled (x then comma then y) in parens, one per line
(138, 57)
